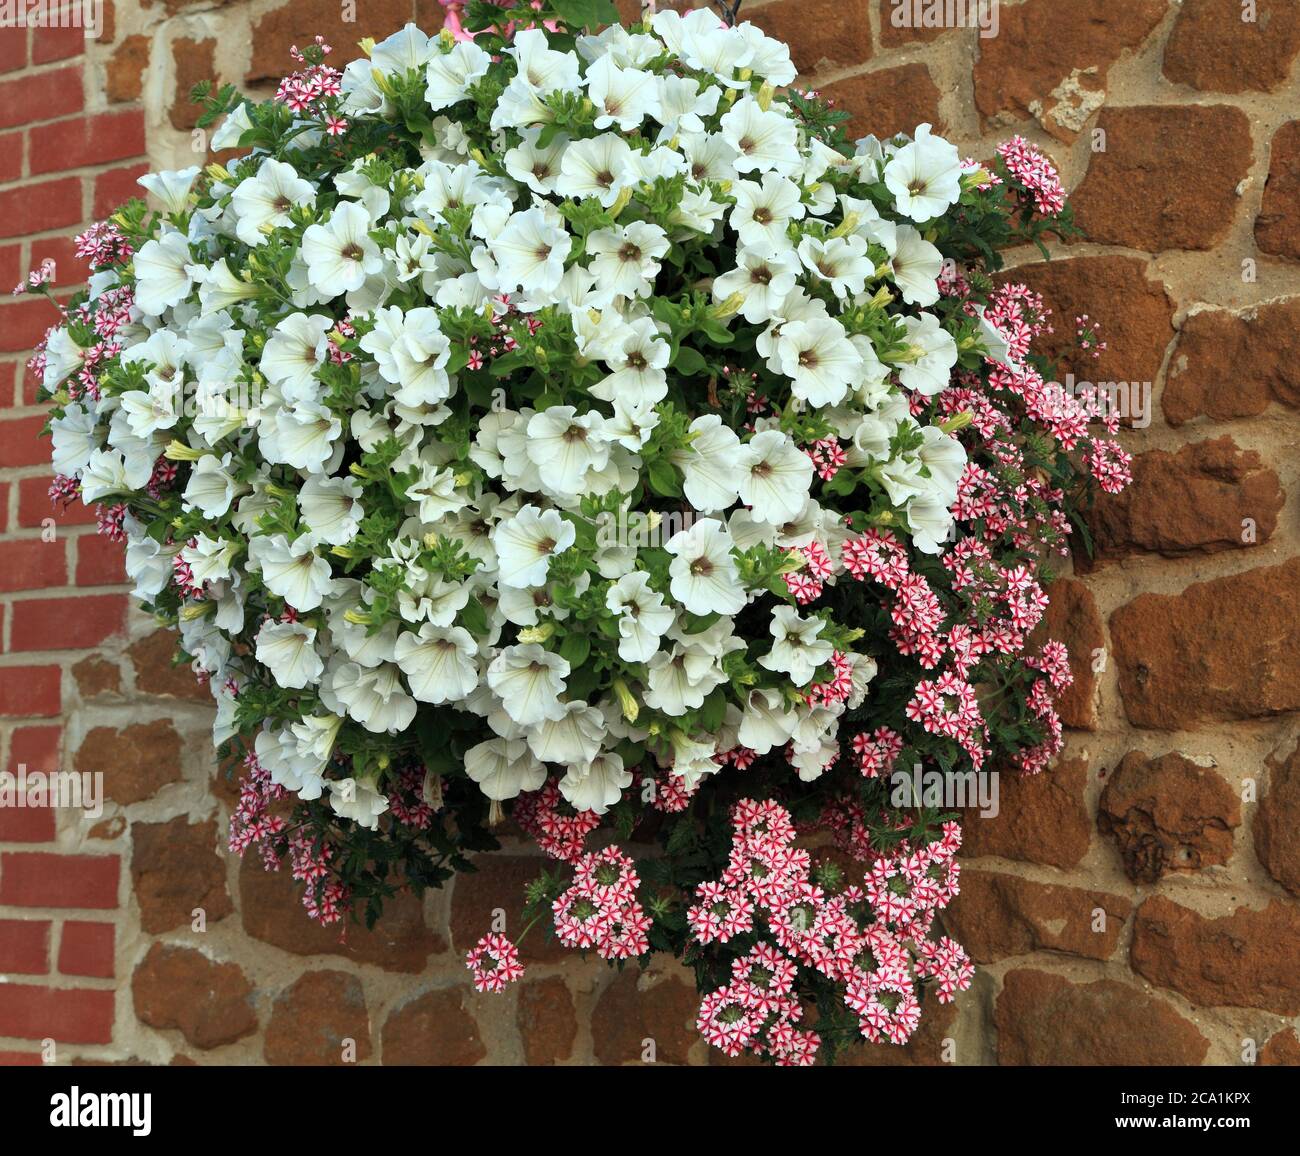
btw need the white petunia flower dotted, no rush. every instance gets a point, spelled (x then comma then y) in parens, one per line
(292, 570)
(526, 543)
(643, 619)
(596, 785)
(711, 465)
(924, 176)
(263, 202)
(331, 508)
(842, 262)
(163, 273)
(294, 352)
(288, 650)
(932, 354)
(530, 253)
(916, 265)
(449, 74)
(504, 768)
(574, 737)
(638, 367)
(625, 260)
(624, 97)
(775, 476)
(440, 663)
(340, 254)
(172, 188)
(764, 280)
(763, 211)
(358, 800)
(819, 359)
(374, 697)
(704, 575)
(797, 649)
(564, 445)
(766, 139)
(529, 682)
(600, 167)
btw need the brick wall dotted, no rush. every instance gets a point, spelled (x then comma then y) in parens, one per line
(1138, 905)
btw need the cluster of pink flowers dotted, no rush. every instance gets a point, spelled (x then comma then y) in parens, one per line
(495, 963)
(555, 826)
(1033, 169)
(871, 940)
(600, 908)
(314, 83)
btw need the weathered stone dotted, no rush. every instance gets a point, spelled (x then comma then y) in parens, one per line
(136, 762)
(433, 1029)
(1049, 60)
(156, 672)
(638, 1010)
(899, 22)
(997, 916)
(1133, 313)
(1168, 814)
(498, 885)
(1216, 48)
(1283, 1050)
(1152, 189)
(888, 101)
(546, 1020)
(124, 69)
(209, 1003)
(271, 908)
(175, 868)
(1208, 497)
(276, 31)
(1277, 228)
(1220, 650)
(320, 1021)
(1246, 959)
(1228, 365)
(1041, 819)
(1277, 820)
(817, 33)
(1072, 618)
(96, 675)
(192, 61)
(1045, 1020)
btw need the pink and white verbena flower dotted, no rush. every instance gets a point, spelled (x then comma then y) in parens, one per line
(578, 428)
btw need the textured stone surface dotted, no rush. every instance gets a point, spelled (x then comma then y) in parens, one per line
(124, 70)
(1201, 499)
(819, 40)
(193, 61)
(136, 762)
(1045, 1019)
(1072, 618)
(433, 1029)
(1277, 823)
(1168, 814)
(1283, 1050)
(313, 1021)
(639, 1008)
(1277, 228)
(1151, 189)
(1049, 59)
(157, 673)
(1041, 819)
(498, 885)
(887, 101)
(1180, 656)
(271, 909)
(209, 1003)
(1214, 47)
(546, 1020)
(175, 869)
(997, 916)
(1230, 365)
(1132, 309)
(1246, 959)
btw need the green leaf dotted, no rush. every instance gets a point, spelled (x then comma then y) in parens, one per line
(689, 362)
(575, 649)
(663, 478)
(585, 13)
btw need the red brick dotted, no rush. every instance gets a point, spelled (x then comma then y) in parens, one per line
(86, 949)
(41, 207)
(115, 186)
(20, 1059)
(23, 323)
(71, 1016)
(24, 946)
(31, 564)
(13, 48)
(69, 269)
(34, 506)
(11, 266)
(40, 879)
(21, 443)
(30, 691)
(56, 44)
(26, 824)
(11, 156)
(41, 97)
(95, 140)
(36, 747)
(100, 562)
(57, 624)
